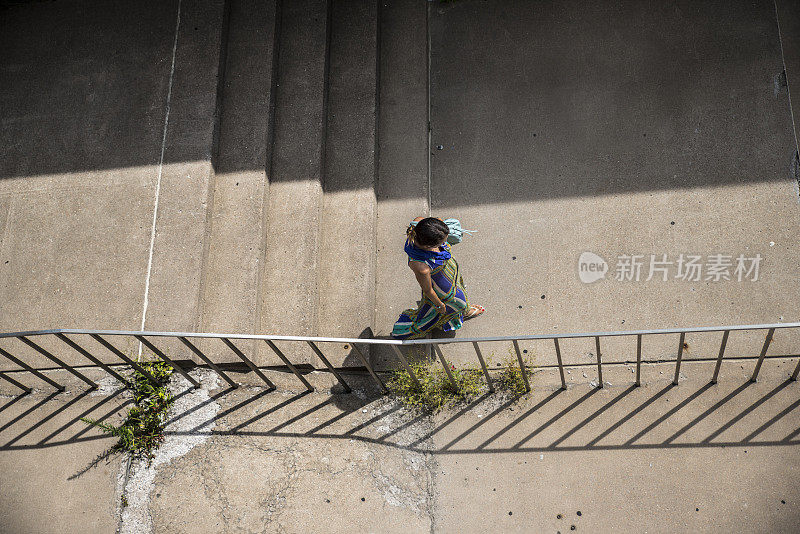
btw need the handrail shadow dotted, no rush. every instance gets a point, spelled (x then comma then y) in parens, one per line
(485, 422)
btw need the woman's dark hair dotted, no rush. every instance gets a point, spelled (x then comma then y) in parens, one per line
(430, 232)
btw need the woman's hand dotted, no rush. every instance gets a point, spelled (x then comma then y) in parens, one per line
(441, 308)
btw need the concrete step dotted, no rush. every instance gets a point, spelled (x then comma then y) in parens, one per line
(289, 286)
(186, 179)
(233, 268)
(346, 288)
(403, 164)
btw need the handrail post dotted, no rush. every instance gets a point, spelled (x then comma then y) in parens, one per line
(796, 370)
(371, 371)
(599, 364)
(211, 364)
(291, 367)
(55, 360)
(407, 367)
(167, 359)
(483, 366)
(678, 363)
(521, 365)
(247, 362)
(445, 365)
(560, 365)
(330, 367)
(638, 360)
(719, 358)
(764, 348)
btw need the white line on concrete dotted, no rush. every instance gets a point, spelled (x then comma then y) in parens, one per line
(786, 73)
(428, 89)
(160, 170)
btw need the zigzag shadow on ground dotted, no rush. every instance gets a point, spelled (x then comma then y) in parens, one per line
(550, 421)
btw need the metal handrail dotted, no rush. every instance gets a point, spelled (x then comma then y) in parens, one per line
(312, 341)
(404, 341)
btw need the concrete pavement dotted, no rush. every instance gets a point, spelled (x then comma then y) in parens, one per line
(629, 459)
(106, 120)
(55, 476)
(659, 138)
(658, 458)
(612, 128)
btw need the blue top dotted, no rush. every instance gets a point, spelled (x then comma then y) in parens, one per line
(433, 259)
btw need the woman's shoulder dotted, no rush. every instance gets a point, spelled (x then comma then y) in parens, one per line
(419, 266)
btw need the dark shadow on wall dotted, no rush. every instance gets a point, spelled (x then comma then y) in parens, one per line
(537, 100)
(84, 85)
(564, 99)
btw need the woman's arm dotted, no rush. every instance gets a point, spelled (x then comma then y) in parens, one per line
(423, 274)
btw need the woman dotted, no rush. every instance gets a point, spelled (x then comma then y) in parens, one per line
(444, 301)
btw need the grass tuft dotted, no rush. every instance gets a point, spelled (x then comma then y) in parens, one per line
(143, 428)
(511, 379)
(437, 392)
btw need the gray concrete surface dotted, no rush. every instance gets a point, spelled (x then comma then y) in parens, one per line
(289, 286)
(658, 458)
(630, 460)
(82, 125)
(186, 188)
(334, 484)
(402, 187)
(562, 130)
(346, 299)
(627, 459)
(788, 15)
(231, 292)
(84, 138)
(593, 134)
(54, 478)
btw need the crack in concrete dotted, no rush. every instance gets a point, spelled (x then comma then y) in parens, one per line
(138, 479)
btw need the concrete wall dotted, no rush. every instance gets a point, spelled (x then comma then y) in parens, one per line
(296, 148)
(616, 128)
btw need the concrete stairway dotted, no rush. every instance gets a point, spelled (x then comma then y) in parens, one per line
(237, 238)
(270, 156)
(250, 167)
(294, 226)
(288, 290)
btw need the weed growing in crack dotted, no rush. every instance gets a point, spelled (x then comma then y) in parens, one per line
(510, 378)
(143, 428)
(436, 391)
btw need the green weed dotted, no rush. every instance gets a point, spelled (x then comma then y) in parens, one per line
(510, 378)
(142, 431)
(436, 391)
